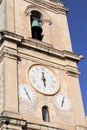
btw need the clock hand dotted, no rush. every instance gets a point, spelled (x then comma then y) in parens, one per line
(27, 94)
(44, 79)
(62, 102)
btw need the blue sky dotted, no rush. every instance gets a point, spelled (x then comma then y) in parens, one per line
(77, 20)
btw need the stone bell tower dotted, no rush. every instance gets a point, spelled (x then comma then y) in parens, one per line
(39, 86)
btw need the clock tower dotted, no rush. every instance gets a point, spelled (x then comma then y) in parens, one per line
(39, 86)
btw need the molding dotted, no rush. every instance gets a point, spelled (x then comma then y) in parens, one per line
(10, 35)
(40, 46)
(9, 122)
(22, 124)
(10, 114)
(57, 7)
(18, 122)
(9, 55)
(72, 71)
(84, 127)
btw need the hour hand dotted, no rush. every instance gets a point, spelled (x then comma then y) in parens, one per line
(43, 79)
(27, 94)
(62, 102)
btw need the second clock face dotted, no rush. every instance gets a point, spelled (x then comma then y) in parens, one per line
(43, 79)
(26, 93)
(63, 102)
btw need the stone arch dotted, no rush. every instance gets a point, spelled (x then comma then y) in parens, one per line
(45, 21)
(32, 7)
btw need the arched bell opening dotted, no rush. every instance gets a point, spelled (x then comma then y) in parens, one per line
(45, 114)
(36, 22)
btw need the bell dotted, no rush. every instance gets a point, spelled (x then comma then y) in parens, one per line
(36, 29)
(35, 23)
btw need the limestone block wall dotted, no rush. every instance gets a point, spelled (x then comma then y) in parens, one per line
(3, 15)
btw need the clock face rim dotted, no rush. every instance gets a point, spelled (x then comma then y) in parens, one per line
(30, 88)
(58, 104)
(53, 73)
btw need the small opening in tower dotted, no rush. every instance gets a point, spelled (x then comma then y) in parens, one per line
(36, 28)
(45, 114)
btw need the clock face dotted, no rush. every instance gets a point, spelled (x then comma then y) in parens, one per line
(62, 101)
(26, 93)
(43, 79)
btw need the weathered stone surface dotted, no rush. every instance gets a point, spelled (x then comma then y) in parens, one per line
(19, 51)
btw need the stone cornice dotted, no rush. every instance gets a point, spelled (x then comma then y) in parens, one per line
(72, 71)
(23, 124)
(40, 46)
(8, 119)
(52, 6)
(68, 59)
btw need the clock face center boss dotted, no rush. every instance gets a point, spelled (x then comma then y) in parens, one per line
(43, 79)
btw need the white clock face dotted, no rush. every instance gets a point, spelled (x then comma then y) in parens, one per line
(43, 79)
(26, 93)
(63, 102)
